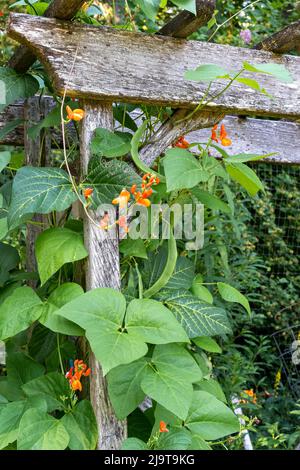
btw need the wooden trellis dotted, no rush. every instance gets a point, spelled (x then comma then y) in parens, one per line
(114, 65)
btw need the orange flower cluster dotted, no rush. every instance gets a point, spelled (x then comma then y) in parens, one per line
(75, 115)
(163, 427)
(181, 143)
(251, 395)
(88, 192)
(75, 373)
(223, 137)
(141, 197)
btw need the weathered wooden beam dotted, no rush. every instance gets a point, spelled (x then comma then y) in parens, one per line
(103, 270)
(186, 23)
(170, 131)
(135, 67)
(248, 134)
(23, 57)
(283, 41)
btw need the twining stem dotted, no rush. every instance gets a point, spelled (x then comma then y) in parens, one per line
(59, 354)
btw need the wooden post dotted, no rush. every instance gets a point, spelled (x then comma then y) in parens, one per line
(102, 271)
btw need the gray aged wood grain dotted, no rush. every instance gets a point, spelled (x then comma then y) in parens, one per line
(135, 67)
(170, 131)
(186, 23)
(23, 58)
(258, 137)
(103, 270)
(283, 41)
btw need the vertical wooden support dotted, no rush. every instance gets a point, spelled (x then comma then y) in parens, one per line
(102, 271)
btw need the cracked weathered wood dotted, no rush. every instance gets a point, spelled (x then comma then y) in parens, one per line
(131, 67)
(23, 58)
(170, 131)
(283, 41)
(250, 135)
(186, 23)
(103, 270)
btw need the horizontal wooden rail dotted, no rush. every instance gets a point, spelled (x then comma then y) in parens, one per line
(134, 67)
(247, 134)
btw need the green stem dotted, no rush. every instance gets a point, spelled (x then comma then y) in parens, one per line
(59, 354)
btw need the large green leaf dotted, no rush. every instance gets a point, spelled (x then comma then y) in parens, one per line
(149, 7)
(153, 323)
(211, 201)
(154, 266)
(59, 297)
(245, 176)
(9, 258)
(10, 416)
(39, 190)
(55, 247)
(198, 318)
(206, 73)
(20, 370)
(51, 387)
(18, 311)
(108, 178)
(16, 86)
(277, 70)
(81, 426)
(189, 5)
(208, 344)
(101, 313)
(182, 170)
(175, 439)
(183, 274)
(170, 383)
(124, 387)
(110, 144)
(4, 159)
(132, 443)
(40, 431)
(231, 294)
(209, 418)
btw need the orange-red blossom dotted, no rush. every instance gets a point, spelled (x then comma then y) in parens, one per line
(75, 373)
(222, 137)
(181, 143)
(88, 192)
(163, 427)
(75, 115)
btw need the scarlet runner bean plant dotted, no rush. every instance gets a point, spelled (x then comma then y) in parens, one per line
(157, 337)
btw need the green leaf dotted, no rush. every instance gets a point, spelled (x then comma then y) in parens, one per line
(208, 344)
(55, 247)
(231, 294)
(101, 313)
(198, 318)
(124, 387)
(245, 176)
(182, 170)
(39, 8)
(211, 201)
(18, 311)
(201, 291)
(136, 248)
(16, 86)
(20, 370)
(39, 190)
(189, 5)
(10, 416)
(4, 159)
(198, 443)
(108, 178)
(81, 426)
(213, 387)
(247, 157)
(52, 119)
(206, 73)
(210, 418)
(154, 266)
(153, 323)
(59, 297)
(9, 259)
(170, 383)
(175, 439)
(183, 274)
(51, 387)
(40, 431)
(251, 83)
(132, 443)
(110, 144)
(11, 126)
(149, 7)
(277, 70)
